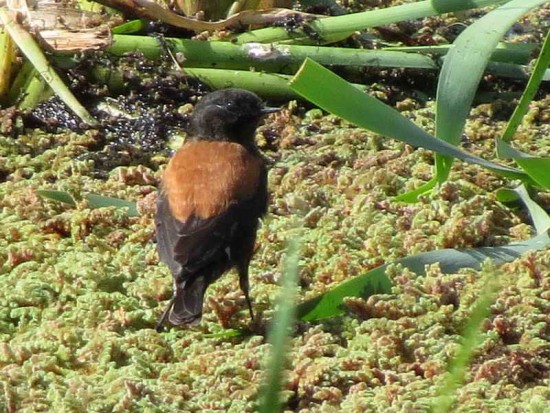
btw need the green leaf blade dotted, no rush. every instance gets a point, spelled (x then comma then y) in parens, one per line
(346, 101)
(279, 334)
(100, 201)
(58, 196)
(463, 68)
(330, 304)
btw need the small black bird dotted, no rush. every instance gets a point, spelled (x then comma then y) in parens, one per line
(214, 191)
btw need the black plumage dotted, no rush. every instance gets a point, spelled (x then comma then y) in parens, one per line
(213, 193)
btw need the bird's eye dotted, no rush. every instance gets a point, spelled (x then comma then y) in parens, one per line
(229, 105)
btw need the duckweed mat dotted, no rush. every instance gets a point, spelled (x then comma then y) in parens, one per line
(82, 288)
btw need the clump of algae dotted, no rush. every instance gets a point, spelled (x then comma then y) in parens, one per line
(82, 288)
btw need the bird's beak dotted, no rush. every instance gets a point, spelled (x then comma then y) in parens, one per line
(266, 110)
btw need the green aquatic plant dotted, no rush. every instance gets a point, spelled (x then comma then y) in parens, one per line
(280, 332)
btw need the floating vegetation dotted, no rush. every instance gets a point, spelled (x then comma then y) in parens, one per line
(417, 287)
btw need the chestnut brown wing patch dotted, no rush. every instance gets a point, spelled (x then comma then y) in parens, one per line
(204, 178)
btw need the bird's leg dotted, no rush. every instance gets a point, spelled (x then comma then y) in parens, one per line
(162, 318)
(243, 282)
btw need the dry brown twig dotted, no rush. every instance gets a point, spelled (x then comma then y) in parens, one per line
(153, 11)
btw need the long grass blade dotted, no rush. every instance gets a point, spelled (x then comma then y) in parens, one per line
(330, 304)
(7, 59)
(57, 196)
(34, 53)
(35, 90)
(94, 201)
(536, 168)
(462, 70)
(541, 220)
(471, 338)
(101, 201)
(346, 101)
(518, 53)
(279, 335)
(543, 61)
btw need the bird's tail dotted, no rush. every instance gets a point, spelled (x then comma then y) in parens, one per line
(188, 301)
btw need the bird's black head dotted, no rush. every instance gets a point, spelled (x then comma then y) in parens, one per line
(228, 115)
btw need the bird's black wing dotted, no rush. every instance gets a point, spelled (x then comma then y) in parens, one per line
(187, 246)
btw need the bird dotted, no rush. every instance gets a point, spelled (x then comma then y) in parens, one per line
(212, 195)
